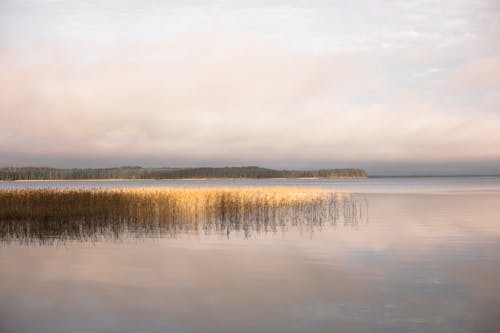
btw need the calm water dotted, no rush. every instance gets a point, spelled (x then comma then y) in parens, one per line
(367, 185)
(425, 259)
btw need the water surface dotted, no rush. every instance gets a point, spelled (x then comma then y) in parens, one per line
(426, 259)
(360, 185)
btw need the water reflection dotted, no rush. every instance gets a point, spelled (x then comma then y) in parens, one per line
(424, 263)
(55, 216)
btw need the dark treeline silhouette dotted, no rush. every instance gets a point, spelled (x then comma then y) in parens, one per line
(43, 173)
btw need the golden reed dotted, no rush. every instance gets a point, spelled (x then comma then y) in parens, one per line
(52, 215)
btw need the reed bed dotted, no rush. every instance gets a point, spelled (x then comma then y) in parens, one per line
(28, 216)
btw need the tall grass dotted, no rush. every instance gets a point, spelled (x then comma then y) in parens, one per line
(51, 215)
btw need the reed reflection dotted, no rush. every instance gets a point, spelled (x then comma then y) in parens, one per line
(48, 216)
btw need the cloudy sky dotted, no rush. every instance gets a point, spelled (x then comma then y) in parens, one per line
(392, 86)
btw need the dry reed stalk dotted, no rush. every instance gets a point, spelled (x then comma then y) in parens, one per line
(45, 215)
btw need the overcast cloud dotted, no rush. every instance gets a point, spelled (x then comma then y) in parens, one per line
(282, 84)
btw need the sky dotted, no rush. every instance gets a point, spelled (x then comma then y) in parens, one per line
(395, 87)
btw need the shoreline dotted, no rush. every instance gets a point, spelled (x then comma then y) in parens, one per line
(175, 179)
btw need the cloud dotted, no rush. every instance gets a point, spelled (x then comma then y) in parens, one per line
(238, 86)
(478, 74)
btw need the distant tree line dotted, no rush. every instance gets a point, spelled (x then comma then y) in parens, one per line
(42, 173)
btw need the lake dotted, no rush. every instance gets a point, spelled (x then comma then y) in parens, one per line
(360, 185)
(424, 256)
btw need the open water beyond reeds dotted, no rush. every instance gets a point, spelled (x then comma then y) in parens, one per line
(379, 255)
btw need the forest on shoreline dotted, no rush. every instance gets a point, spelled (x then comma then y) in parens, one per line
(46, 173)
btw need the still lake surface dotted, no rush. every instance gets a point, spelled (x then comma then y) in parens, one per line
(425, 258)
